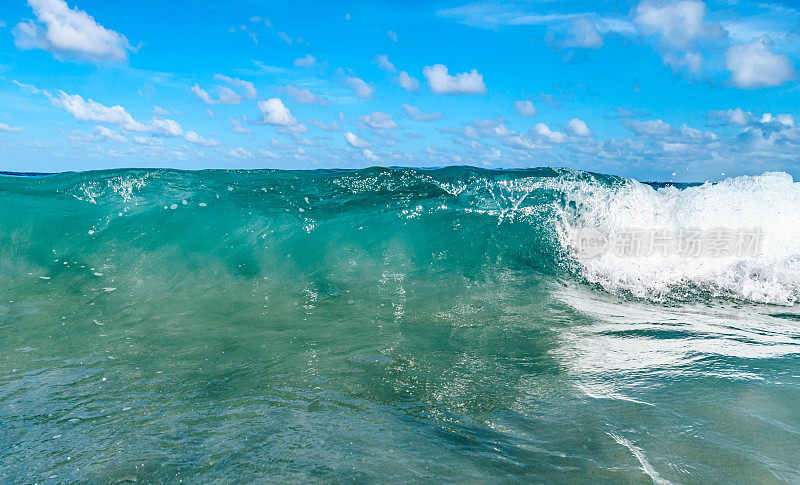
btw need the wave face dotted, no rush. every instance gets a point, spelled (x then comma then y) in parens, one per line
(473, 221)
(393, 324)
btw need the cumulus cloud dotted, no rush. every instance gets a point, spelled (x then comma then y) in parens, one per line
(166, 128)
(193, 137)
(754, 65)
(407, 82)
(525, 108)
(69, 34)
(441, 82)
(392, 35)
(360, 88)
(305, 96)
(98, 134)
(307, 61)
(145, 141)
(382, 61)
(736, 117)
(780, 119)
(378, 120)
(107, 134)
(4, 128)
(239, 152)
(90, 110)
(403, 78)
(415, 114)
(227, 95)
(355, 141)
(536, 138)
(273, 112)
(678, 28)
(678, 24)
(544, 132)
(578, 127)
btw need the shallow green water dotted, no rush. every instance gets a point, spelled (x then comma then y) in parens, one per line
(366, 326)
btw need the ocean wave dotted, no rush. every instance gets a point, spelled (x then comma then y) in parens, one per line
(479, 222)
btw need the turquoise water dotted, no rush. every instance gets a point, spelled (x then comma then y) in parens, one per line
(381, 325)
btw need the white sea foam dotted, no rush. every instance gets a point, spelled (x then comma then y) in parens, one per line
(769, 202)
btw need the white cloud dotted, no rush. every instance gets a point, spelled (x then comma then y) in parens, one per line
(382, 61)
(98, 134)
(355, 141)
(392, 35)
(334, 126)
(415, 114)
(159, 111)
(239, 152)
(226, 94)
(368, 154)
(784, 119)
(143, 140)
(525, 108)
(267, 154)
(165, 128)
(273, 112)
(107, 134)
(578, 127)
(202, 94)
(679, 27)
(250, 91)
(583, 33)
(736, 117)
(305, 96)
(754, 65)
(360, 88)
(69, 33)
(10, 129)
(543, 131)
(90, 110)
(679, 24)
(307, 61)
(238, 128)
(462, 83)
(193, 137)
(378, 121)
(407, 82)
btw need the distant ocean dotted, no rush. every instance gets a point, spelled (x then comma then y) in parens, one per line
(387, 325)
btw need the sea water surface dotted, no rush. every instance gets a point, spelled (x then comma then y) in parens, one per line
(386, 325)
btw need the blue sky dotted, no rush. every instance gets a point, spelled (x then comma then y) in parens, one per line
(657, 90)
